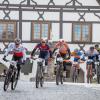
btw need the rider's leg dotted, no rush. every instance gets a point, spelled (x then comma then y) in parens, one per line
(87, 68)
(78, 66)
(64, 65)
(90, 76)
(19, 59)
(93, 67)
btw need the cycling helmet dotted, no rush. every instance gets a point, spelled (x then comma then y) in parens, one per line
(50, 41)
(76, 49)
(17, 41)
(91, 48)
(96, 46)
(44, 39)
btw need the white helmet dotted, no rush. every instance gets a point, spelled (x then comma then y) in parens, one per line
(17, 41)
(44, 39)
(50, 41)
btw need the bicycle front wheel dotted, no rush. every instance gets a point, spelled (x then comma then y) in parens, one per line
(57, 75)
(14, 81)
(37, 76)
(7, 81)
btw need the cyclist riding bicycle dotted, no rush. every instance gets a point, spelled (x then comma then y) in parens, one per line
(64, 51)
(19, 53)
(97, 48)
(45, 52)
(77, 54)
(92, 54)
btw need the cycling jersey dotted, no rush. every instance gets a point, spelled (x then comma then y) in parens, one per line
(17, 51)
(44, 50)
(63, 48)
(77, 55)
(91, 55)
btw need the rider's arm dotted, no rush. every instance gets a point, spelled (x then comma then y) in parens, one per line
(48, 48)
(37, 46)
(69, 52)
(54, 50)
(24, 54)
(10, 47)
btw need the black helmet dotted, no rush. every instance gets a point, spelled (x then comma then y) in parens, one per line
(91, 48)
(96, 45)
(17, 41)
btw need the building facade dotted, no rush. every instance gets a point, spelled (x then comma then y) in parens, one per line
(76, 21)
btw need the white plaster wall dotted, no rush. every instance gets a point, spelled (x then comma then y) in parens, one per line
(26, 31)
(96, 33)
(55, 32)
(85, 2)
(67, 31)
(71, 16)
(51, 16)
(31, 15)
(89, 2)
(67, 28)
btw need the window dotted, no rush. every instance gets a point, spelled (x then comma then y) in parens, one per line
(7, 30)
(82, 32)
(40, 30)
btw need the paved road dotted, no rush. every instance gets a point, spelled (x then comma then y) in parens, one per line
(68, 91)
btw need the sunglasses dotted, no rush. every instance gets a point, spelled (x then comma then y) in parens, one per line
(16, 44)
(43, 42)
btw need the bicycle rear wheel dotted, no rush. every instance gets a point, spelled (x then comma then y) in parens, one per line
(7, 81)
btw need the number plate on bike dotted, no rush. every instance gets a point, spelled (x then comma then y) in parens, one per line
(40, 60)
(97, 63)
(60, 59)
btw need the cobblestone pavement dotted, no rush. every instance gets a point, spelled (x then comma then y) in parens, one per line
(68, 91)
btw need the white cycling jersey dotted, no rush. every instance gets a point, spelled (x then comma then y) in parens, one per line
(19, 51)
(89, 53)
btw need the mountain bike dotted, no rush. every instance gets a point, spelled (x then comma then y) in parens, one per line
(97, 67)
(59, 70)
(11, 76)
(40, 72)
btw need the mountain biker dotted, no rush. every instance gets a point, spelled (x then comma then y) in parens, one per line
(92, 53)
(45, 52)
(64, 52)
(97, 48)
(77, 54)
(19, 53)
